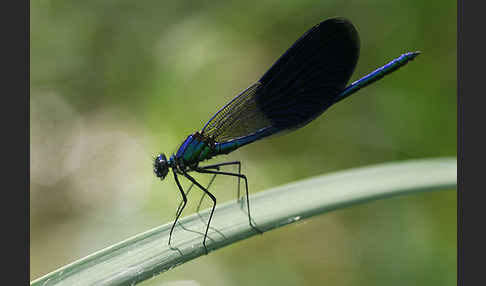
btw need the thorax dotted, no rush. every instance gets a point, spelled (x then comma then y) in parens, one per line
(194, 149)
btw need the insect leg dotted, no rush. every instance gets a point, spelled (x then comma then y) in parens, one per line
(213, 198)
(252, 224)
(204, 194)
(226, 164)
(179, 209)
(200, 201)
(187, 193)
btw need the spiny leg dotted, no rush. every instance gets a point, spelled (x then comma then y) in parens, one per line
(187, 193)
(199, 215)
(180, 209)
(189, 189)
(213, 198)
(204, 195)
(178, 213)
(216, 166)
(252, 224)
(200, 202)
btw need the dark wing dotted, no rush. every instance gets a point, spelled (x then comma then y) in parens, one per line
(301, 85)
(304, 82)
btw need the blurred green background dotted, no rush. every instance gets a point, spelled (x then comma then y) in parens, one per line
(115, 82)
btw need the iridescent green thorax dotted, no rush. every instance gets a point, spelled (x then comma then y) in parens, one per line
(193, 148)
(197, 147)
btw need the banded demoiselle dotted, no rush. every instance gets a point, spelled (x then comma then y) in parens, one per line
(306, 80)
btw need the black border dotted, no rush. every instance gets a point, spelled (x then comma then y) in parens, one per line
(470, 120)
(15, 117)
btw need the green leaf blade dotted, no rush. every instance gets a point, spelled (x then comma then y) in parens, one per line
(146, 255)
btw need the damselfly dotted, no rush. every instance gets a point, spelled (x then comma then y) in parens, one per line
(306, 80)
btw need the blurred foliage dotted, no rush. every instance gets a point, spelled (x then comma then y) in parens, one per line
(114, 82)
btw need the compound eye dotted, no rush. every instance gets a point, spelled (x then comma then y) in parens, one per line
(161, 166)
